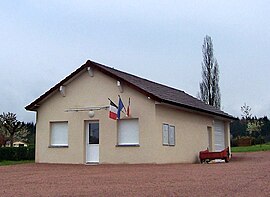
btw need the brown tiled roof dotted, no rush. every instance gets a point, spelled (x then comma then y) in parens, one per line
(156, 91)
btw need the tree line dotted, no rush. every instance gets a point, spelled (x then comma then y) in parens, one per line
(251, 126)
(12, 130)
(240, 128)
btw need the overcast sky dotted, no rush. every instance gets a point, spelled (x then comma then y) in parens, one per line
(41, 42)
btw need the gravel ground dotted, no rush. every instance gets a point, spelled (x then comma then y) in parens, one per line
(247, 174)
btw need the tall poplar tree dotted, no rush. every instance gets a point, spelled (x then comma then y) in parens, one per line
(209, 87)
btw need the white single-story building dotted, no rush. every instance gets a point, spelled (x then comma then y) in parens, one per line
(165, 125)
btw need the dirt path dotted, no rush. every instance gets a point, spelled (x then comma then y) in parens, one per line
(247, 174)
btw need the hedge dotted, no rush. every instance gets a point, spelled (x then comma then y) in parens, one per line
(17, 153)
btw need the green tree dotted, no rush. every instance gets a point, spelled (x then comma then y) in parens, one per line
(31, 127)
(209, 87)
(238, 128)
(2, 140)
(255, 126)
(265, 128)
(11, 128)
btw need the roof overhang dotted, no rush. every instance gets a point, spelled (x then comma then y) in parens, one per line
(196, 110)
(36, 103)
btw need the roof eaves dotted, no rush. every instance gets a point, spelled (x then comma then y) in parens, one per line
(35, 104)
(223, 115)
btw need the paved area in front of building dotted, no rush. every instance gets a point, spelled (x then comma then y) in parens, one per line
(247, 174)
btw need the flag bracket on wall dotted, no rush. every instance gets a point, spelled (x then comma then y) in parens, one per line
(93, 108)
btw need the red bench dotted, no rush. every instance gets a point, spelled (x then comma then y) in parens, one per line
(207, 156)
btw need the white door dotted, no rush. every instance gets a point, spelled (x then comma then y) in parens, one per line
(92, 142)
(219, 136)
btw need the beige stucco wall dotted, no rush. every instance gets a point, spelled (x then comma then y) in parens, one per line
(93, 91)
(191, 134)
(190, 129)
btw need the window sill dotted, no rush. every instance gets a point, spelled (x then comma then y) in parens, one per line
(127, 145)
(58, 146)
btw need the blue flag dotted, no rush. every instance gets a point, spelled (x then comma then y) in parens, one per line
(120, 107)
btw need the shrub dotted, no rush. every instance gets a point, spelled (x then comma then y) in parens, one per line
(244, 141)
(234, 142)
(259, 140)
(17, 153)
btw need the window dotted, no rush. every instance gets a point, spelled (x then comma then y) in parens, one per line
(94, 133)
(171, 135)
(168, 135)
(128, 132)
(59, 134)
(165, 134)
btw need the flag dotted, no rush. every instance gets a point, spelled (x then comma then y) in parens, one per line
(128, 108)
(120, 107)
(113, 110)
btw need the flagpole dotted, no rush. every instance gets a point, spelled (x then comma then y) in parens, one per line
(123, 105)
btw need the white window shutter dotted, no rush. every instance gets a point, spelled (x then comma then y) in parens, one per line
(165, 134)
(128, 132)
(59, 134)
(172, 135)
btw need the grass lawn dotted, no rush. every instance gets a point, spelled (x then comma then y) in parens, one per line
(253, 148)
(7, 162)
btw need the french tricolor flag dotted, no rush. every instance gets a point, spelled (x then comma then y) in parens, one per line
(128, 108)
(113, 110)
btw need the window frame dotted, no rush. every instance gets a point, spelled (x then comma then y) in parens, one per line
(168, 134)
(52, 144)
